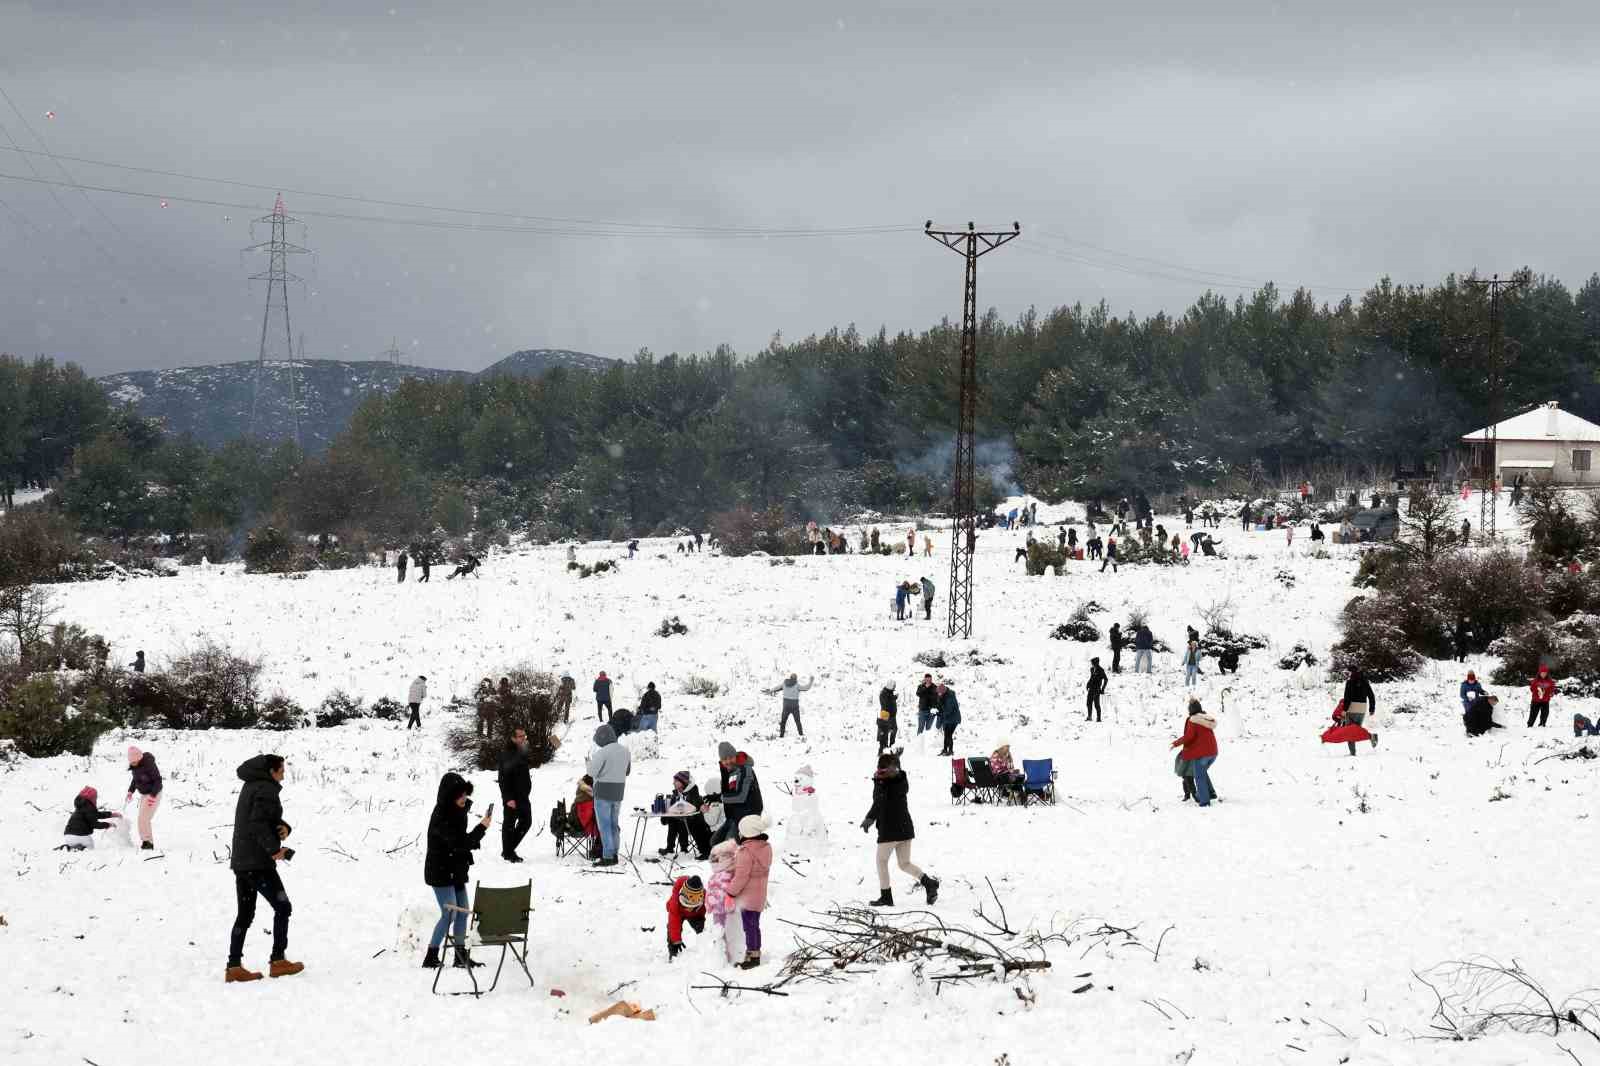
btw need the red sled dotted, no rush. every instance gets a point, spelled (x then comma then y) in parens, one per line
(1341, 734)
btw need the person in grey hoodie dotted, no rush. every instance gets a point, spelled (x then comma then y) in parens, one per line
(791, 689)
(414, 698)
(608, 765)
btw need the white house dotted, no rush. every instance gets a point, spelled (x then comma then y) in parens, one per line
(1544, 443)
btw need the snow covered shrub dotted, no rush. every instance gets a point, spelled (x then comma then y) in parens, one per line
(1570, 647)
(214, 688)
(269, 550)
(72, 646)
(1079, 629)
(387, 709)
(671, 627)
(1379, 568)
(933, 660)
(1218, 641)
(1042, 557)
(697, 685)
(1298, 657)
(1491, 591)
(212, 546)
(39, 720)
(531, 706)
(1284, 577)
(1372, 642)
(1555, 533)
(337, 708)
(281, 712)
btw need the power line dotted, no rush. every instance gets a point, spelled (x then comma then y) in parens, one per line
(1170, 270)
(664, 228)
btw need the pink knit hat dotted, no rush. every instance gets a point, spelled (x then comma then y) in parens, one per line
(88, 793)
(134, 754)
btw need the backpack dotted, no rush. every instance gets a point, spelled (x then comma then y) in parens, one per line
(558, 819)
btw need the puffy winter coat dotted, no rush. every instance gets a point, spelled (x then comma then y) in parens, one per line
(927, 590)
(677, 913)
(887, 701)
(450, 845)
(751, 865)
(927, 696)
(1116, 638)
(516, 783)
(146, 778)
(889, 811)
(86, 818)
(949, 709)
(256, 817)
(650, 702)
(609, 765)
(418, 691)
(1199, 741)
(1143, 639)
(741, 792)
(1469, 689)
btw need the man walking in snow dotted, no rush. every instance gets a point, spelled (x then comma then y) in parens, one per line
(1097, 686)
(602, 696)
(791, 689)
(927, 700)
(414, 698)
(927, 598)
(516, 790)
(258, 835)
(564, 696)
(1111, 554)
(949, 716)
(1116, 647)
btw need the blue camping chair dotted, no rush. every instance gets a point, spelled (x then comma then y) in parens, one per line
(1039, 780)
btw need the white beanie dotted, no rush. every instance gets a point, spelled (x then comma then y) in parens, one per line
(751, 825)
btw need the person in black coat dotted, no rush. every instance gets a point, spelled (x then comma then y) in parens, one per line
(650, 701)
(258, 835)
(516, 790)
(888, 716)
(1116, 647)
(680, 830)
(446, 862)
(891, 813)
(1097, 687)
(85, 819)
(400, 567)
(1479, 718)
(741, 790)
(927, 700)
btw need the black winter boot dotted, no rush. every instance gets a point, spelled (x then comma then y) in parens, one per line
(464, 960)
(932, 886)
(430, 961)
(885, 899)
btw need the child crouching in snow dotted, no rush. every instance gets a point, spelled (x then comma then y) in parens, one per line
(685, 903)
(86, 818)
(720, 904)
(751, 866)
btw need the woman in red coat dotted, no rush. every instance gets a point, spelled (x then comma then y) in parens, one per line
(1199, 744)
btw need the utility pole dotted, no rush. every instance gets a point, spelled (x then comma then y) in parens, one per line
(973, 244)
(277, 277)
(1491, 482)
(392, 354)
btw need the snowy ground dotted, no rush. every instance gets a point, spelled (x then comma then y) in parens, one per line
(1296, 919)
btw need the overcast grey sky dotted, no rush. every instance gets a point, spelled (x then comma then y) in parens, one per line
(1325, 144)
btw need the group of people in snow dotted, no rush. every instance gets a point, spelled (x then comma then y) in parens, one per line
(907, 589)
(937, 707)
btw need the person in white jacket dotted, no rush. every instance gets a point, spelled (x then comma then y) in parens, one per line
(414, 698)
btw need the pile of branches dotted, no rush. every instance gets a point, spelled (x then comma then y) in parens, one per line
(1481, 996)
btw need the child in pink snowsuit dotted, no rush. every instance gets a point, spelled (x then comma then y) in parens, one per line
(751, 866)
(720, 905)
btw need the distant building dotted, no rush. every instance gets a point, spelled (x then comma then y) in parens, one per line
(1544, 444)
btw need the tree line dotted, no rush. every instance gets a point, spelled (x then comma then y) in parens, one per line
(1075, 403)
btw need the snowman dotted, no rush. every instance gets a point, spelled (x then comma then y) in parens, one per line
(806, 832)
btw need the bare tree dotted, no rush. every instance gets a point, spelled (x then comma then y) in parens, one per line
(1429, 527)
(24, 612)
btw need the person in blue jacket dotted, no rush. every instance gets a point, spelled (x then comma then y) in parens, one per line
(949, 716)
(1470, 690)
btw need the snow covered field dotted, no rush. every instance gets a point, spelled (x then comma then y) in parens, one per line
(1296, 917)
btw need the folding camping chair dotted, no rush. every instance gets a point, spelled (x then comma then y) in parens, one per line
(566, 831)
(982, 781)
(958, 781)
(1039, 780)
(501, 917)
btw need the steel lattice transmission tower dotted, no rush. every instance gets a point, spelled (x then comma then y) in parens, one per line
(973, 244)
(277, 277)
(1489, 500)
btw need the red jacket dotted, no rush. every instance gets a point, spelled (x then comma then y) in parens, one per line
(676, 913)
(585, 813)
(1198, 740)
(1542, 688)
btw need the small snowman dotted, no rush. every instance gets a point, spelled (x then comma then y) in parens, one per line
(806, 832)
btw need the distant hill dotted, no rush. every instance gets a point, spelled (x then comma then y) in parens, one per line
(213, 402)
(535, 361)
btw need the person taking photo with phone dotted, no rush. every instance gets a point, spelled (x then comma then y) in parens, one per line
(445, 865)
(258, 835)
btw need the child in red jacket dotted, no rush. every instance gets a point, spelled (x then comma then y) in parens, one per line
(685, 903)
(1542, 687)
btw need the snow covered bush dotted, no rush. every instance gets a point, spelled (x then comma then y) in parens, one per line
(74, 647)
(531, 706)
(1569, 646)
(337, 708)
(1556, 534)
(671, 627)
(38, 545)
(281, 712)
(1372, 642)
(1299, 656)
(697, 685)
(269, 550)
(38, 718)
(213, 688)
(1079, 629)
(1042, 557)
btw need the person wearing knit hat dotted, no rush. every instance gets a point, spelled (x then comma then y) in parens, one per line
(146, 782)
(741, 792)
(1470, 690)
(86, 818)
(685, 903)
(748, 887)
(684, 820)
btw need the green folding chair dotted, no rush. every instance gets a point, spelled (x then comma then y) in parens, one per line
(500, 916)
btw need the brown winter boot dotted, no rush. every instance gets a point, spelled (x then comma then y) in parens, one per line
(752, 959)
(285, 968)
(239, 973)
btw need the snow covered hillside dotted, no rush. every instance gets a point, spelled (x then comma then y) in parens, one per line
(1283, 924)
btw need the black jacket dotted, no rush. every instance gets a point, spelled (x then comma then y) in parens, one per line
(741, 792)
(927, 696)
(650, 702)
(450, 846)
(1116, 638)
(887, 701)
(1479, 718)
(1097, 680)
(1359, 690)
(257, 817)
(1143, 639)
(146, 779)
(516, 783)
(86, 818)
(889, 809)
